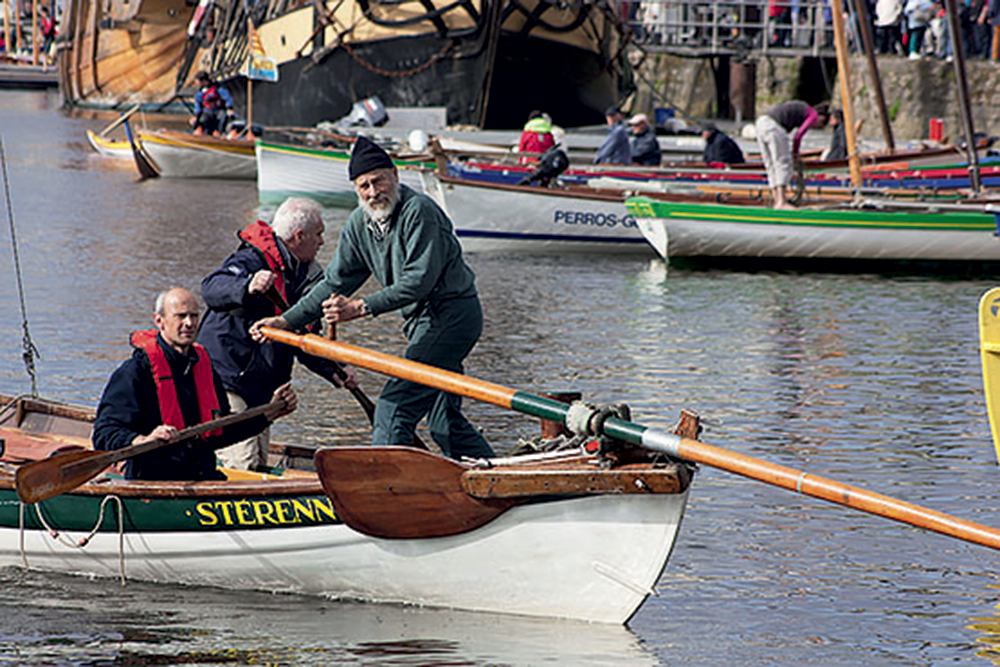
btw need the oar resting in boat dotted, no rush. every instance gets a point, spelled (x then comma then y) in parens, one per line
(585, 420)
(63, 472)
(166, 385)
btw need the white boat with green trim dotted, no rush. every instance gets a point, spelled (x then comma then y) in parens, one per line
(316, 172)
(554, 535)
(873, 230)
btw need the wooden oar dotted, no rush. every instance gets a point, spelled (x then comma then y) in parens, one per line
(121, 119)
(636, 434)
(357, 392)
(142, 162)
(44, 479)
(402, 492)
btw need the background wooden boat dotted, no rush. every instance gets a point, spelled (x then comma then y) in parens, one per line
(575, 553)
(186, 155)
(320, 173)
(497, 217)
(117, 54)
(881, 230)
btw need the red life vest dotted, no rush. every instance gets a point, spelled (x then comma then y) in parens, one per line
(170, 407)
(258, 234)
(211, 99)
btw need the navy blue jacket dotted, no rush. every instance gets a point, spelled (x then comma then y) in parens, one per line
(720, 148)
(249, 369)
(130, 407)
(645, 149)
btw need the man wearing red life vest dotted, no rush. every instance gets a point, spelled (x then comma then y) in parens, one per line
(167, 385)
(278, 259)
(213, 105)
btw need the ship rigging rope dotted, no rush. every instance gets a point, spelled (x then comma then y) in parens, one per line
(79, 544)
(30, 351)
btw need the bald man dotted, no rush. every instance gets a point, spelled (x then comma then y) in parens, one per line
(167, 385)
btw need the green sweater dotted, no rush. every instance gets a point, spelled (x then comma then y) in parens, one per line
(419, 261)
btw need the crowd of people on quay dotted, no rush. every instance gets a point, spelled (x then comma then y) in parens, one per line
(907, 28)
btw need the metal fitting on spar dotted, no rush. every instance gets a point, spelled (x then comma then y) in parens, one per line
(578, 417)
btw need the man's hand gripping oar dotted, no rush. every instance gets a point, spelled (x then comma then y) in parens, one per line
(348, 380)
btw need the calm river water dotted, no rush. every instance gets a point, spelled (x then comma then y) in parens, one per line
(869, 379)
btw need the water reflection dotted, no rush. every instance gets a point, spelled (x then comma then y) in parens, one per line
(871, 379)
(87, 623)
(989, 629)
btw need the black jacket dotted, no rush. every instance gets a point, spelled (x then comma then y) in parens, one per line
(720, 148)
(130, 407)
(645, 148)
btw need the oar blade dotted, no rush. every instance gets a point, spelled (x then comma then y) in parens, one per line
(47, 478)
(401, 492)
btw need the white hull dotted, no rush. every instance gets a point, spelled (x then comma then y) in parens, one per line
(499, 218)
(289, 171)
(705, 237)
(177, 158)
(593, 559)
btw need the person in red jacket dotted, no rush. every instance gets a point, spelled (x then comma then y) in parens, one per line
(536, 137)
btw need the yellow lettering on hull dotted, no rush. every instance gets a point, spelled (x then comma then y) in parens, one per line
(264, 512)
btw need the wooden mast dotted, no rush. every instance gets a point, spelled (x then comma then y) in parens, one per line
(847, 98)
(861, 8)
(962, 84)
(34, 32)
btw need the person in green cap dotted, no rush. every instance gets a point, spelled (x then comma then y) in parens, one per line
(403, 239)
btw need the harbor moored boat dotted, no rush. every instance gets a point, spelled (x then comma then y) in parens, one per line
(556, 535)
(476, 58)
(880, 230)
(525, 218)
(185, 155)
(989, 348)
(320, 173)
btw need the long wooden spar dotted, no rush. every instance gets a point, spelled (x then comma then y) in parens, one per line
(668, 443)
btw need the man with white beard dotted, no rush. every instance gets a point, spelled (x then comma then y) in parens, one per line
(403, 239)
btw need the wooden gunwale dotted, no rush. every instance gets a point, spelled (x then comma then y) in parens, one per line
(184, 140)
(298, 483)
(561, 479)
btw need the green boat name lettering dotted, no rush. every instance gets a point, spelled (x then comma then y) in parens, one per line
(263, 512)
(592, 219)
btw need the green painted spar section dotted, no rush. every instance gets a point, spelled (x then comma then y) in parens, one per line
(539, 406)
(625, 431)
(951, 220)
(73, 512)
(547, 408)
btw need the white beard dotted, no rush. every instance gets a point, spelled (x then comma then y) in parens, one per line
(379, 212)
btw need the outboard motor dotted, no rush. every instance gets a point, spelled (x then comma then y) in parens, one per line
(552, 163)
(369, 112)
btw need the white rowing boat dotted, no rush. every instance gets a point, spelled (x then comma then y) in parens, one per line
(558, 536)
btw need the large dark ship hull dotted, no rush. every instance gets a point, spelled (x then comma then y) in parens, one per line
(488, 64)
(307, 93)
